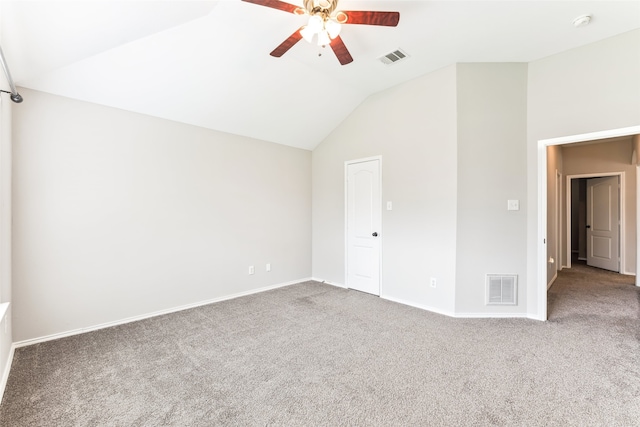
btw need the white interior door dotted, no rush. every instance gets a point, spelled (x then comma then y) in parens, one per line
(603, 229)
(363, 226)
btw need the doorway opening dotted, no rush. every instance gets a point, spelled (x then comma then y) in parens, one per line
(588, 242)
(542, 261)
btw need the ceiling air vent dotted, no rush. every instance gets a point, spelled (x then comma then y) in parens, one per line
(393, 57)
(502, 289)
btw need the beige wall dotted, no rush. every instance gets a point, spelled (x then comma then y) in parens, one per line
(118, 214)
(588, 89)
(453, 150)
(608, 157)
(413, 127)
(6, 107)
(492, 128)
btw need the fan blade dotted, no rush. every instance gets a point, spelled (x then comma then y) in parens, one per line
(287, 44)
(341, 51)
(369, 17)
(275, 4)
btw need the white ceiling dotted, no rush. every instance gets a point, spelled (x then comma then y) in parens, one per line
(207, 63)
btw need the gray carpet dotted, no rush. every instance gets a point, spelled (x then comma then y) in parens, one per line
(311, 354)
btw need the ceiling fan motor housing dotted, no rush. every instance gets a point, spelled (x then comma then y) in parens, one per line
(324, 7)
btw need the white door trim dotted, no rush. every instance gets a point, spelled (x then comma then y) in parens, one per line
(558, 222)
(346, 219)
(541, 312)
(621, 194)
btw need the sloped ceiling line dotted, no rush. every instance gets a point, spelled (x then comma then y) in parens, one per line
(124, 54)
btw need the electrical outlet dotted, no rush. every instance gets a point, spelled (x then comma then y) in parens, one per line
(251, 269)
(268, 267)
(433, 282)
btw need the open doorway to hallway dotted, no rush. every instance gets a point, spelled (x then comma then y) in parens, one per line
(550, 240)
(600, 215)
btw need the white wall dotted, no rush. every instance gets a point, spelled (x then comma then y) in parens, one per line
(5, 197)
(5, 238)
(118, 214)
(588, 89)
(413, 127)
(491, 101)
(453, 145)
(6, 336)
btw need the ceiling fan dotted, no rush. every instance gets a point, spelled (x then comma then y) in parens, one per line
(325, 22)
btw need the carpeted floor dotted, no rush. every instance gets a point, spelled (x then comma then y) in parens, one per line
(311, 354)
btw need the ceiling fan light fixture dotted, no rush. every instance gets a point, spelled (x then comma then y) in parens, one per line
(307, 34)
(323, 38)
(326, 21)
(333, 28)
(315, 23)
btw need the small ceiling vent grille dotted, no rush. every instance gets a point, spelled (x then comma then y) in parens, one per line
(393, 57)
(502, 289)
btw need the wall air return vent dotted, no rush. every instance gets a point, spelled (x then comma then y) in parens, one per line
(502, 289)
(393, 57)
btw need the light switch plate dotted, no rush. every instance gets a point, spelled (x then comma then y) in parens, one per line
(513, 205)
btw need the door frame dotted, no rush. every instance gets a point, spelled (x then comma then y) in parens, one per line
(558, 216)
(347, 163)
(621, 231)
(541, 264)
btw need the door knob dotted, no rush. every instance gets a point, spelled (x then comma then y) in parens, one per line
(375, 234)
(588, 226)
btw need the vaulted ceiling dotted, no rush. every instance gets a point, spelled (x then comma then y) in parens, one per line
(207, 63)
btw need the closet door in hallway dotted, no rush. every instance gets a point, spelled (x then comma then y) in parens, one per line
(603, 223)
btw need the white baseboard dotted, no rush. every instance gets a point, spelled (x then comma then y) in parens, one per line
(338, 285)
(78, 331)
(553, 279)
(492, 315)
(5, 372)
(488, 315)
(420, 306)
